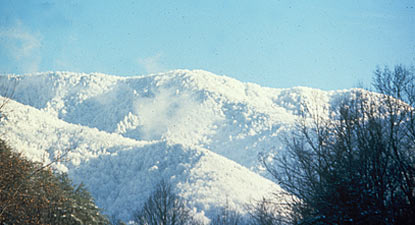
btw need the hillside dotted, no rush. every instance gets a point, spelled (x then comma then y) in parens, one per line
(200, 131)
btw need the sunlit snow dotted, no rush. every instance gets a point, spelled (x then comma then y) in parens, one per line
(201, 132)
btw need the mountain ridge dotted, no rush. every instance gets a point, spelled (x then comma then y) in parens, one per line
(210, 126)
(146, 107)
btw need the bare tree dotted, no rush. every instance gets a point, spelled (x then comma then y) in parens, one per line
(164, 207)
(356, 167)
(228, 216)
(399, 84)
(268, 212)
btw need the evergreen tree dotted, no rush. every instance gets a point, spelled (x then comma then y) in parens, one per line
(33, 194)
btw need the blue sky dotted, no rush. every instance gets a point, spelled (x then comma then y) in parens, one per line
(321, 44)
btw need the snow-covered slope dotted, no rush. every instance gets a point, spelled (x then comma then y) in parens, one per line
(194, 108)
(121, 172)
(199, 131)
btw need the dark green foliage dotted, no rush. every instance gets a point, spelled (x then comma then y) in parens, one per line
(358, 166)
(32, 194)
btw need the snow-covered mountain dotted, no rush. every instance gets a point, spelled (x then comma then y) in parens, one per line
(199, 131)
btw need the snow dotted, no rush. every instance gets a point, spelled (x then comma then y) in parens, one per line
(201, 132)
